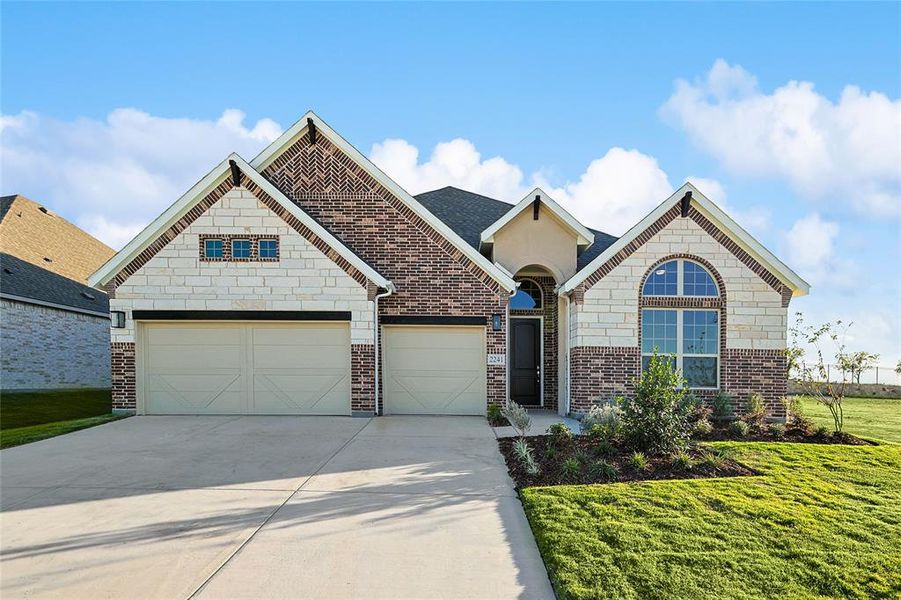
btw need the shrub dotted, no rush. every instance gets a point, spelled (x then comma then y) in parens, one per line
(519, 418)
(639, 462)
(755, 416)
(604, 448)
(699, 410)
(550, 453)
(494, 413)
(656, 419)
(722, 406)
(523, 453)
(604, 421)
(601, 469)
(714, 460)
(777, 430)
(582, 457)
(793, 411)
(822, 431)
(703, 428)
(560, 434)
(571, 468)
(739, 429)
(682, 461)
(805, 424)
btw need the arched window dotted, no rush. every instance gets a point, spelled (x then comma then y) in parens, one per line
(680, 278)
(691, 335)
(527, 296)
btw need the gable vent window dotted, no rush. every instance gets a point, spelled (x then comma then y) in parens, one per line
(527, 296)
(212, 249)
(241, 249)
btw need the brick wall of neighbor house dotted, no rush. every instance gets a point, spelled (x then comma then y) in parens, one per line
(48, 348)
(175, 278)
(549, 337)
(431, 275)
(753, 315)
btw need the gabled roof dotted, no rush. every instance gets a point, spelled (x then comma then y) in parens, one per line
(289, 137)
(716, 216)
(24, 282)
(583, 235)
(203, 187)
(469, 214)
(41, 237)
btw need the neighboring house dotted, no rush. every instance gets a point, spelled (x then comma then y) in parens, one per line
(308, 282)
(54, 329)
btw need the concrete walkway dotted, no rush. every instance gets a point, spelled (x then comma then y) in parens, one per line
(266, 507)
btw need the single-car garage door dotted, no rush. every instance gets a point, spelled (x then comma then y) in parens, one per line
(434, 370)
(246, 368)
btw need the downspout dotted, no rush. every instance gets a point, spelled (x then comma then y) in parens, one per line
(375, 324)
(569, 341)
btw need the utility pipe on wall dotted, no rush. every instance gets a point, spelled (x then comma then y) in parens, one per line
(375, 320)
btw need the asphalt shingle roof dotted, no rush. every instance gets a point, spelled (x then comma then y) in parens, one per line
(469, 214)
(23, 279)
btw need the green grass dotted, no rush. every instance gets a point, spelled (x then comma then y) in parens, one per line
(34, 433)
(865, 417)
(31, 416)
(820, 522)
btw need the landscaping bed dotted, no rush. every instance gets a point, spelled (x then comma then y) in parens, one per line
(602, 463)
(792, 434)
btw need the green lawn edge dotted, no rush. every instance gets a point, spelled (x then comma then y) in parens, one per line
(9, 438)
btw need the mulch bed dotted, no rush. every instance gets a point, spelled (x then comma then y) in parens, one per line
(793, 434)
(658, 467)
(499, 422)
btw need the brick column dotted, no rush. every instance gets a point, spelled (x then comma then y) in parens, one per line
(124, 389)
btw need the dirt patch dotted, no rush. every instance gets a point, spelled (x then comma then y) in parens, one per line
(551, 457)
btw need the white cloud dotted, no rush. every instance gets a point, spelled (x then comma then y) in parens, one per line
(811, 250)
(845, 151)
(114, 176)
(456, 163)
(753, 218)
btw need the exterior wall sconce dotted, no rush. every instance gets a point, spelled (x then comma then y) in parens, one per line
(495, 322)
(117, 318)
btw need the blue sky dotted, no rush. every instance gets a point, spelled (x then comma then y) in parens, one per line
(582, 98)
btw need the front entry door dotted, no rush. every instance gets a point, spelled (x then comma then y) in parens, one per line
(525, 370)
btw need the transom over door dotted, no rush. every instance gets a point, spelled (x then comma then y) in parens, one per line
(434, 370)
(246, 368)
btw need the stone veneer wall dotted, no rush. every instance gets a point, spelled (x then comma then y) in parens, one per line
(303, 278)
(433, 277)
(549, 342)
(48, 348)
(606, 316)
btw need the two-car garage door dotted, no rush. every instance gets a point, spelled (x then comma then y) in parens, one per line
(303, 368)
(246, 368)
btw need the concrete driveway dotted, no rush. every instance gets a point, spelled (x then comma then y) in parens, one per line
(266, 507)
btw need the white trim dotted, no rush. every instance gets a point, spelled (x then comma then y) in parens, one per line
(540, 357)
(680, 339)
(584, 236)
(62, 307)
(201, 189)
(718, 218)
(273, 150)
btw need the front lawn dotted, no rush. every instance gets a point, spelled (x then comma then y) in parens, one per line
(31, 416)
(868, 417)
(820, 521)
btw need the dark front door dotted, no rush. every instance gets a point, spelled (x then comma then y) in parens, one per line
(525, 369)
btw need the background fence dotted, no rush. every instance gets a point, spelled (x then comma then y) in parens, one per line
(884, 375)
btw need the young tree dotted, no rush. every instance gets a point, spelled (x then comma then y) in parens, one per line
(794, 353)
(898, 367)
(814, 376)
(856, 363)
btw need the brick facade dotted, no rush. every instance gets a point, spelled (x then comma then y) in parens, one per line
(362, 374)
(47, 348)
(124, 391)
(432, 276)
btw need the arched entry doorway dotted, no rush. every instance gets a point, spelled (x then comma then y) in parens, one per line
(533, 339)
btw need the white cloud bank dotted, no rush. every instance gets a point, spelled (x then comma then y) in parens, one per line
(811, 251)
(845, 151)
(114, 176)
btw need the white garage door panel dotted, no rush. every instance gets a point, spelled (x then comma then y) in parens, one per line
(246, 368)
(434, 370)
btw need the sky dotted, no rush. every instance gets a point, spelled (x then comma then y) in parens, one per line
(787, 115)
